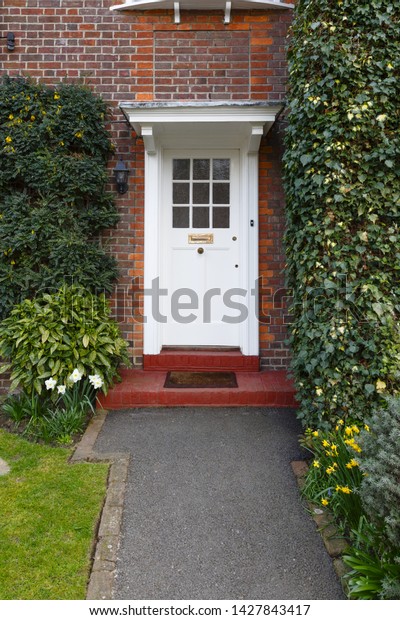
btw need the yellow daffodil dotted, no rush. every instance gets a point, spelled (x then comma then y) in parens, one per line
(78, 134)
(315, 433)
(8, 139)
(56, 96)
(316, 464)
(366, 427)
(334, 449)
(11, 116)
(346, 490)
(351, 464)
(325, 443)
(324, 501)
(330, 470)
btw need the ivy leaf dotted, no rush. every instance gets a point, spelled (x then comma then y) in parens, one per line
(305, 159)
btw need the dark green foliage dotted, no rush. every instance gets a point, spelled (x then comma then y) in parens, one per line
(342, 177)
(53, 153)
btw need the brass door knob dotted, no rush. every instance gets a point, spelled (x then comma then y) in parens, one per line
(200, 250)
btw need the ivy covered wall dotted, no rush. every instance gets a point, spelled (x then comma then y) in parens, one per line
(342, 177)
(53, 200)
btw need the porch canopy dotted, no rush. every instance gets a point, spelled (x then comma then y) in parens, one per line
(205, 5)
(233, 125)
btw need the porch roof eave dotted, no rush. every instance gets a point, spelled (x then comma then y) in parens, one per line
(170, 123)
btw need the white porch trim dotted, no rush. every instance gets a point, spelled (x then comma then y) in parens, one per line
(206, 5)
(219, 126)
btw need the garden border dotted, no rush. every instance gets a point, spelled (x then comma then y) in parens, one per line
(102, 574)
(334, 542)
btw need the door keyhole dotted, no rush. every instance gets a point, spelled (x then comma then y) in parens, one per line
(200, 250)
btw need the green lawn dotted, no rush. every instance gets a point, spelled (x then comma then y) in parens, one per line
(48, 514)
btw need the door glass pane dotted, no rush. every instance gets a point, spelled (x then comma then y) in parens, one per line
(181, 169)
(201, 217)
(181, 193)
(221, 217)
(221, 169)
(180, 217)
(201, 169)
(221, 193)
(201, 193)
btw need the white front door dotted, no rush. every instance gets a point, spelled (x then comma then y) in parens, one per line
(200, 248)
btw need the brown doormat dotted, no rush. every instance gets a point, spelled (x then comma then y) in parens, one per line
(185, 379)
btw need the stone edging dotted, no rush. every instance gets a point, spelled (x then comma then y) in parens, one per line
(102, 576)
(334, 542)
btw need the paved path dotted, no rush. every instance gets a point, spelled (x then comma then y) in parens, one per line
(212, 508)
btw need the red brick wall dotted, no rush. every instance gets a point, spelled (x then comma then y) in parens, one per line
(126, 56)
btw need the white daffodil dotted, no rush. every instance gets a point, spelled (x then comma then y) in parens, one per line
(61, 389)
(96, 381)
(75, 376)
(50, 384)
(381, 118)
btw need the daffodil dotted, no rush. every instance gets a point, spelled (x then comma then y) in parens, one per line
(61, 389)
(316, 464)
(75, 376)
(324, 501)
(96, 381)
(8, 139)
(50, 384)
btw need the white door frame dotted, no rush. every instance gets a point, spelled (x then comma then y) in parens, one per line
(221, 126)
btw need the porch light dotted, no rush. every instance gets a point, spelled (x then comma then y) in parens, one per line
(121, 177)
(10, 41)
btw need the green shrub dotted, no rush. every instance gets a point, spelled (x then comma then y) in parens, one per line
(380, 459)
(342, 181)
(374, 574)
(53, 153)
(52, 335)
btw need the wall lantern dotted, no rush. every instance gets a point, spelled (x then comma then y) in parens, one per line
(121, 177)
(10, 41)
